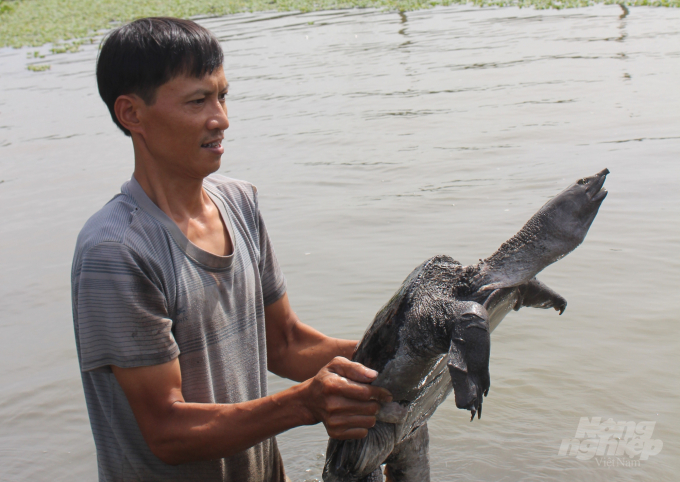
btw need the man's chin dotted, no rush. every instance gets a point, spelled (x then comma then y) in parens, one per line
(210, 163)
(214, 167)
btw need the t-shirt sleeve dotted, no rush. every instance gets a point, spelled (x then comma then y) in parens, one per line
(122, 312)
(273, 281)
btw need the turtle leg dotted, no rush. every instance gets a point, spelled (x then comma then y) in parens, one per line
(537, 295)
(410, 459)
(354, 460)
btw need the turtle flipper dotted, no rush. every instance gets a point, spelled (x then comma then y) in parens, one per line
(537, 295)
(469, 357)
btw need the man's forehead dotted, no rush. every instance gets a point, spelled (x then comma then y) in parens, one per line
(185, 84)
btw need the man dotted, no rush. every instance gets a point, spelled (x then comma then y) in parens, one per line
(179, 304)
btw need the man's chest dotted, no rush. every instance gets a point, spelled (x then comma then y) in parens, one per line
(209, 231)
(216, 306)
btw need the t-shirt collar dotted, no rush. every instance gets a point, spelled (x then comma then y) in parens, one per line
(133, 189)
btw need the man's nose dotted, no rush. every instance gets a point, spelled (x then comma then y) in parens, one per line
(219, 119)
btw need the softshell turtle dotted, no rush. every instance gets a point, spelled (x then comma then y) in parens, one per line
(432, 337)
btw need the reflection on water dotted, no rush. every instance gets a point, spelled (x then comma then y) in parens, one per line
(378, 140)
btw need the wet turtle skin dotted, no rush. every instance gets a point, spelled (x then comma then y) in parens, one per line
(433, 336)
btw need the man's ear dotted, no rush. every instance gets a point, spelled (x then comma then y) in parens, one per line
(127, 109)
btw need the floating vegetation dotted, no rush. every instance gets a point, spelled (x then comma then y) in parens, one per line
(6, 6)
(38, 67)
(36, 22)
(63, 48)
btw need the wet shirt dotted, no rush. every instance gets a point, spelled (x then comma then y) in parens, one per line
(143, 294)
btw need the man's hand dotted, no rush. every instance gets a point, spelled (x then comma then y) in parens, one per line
(336, 394)
(340, 397)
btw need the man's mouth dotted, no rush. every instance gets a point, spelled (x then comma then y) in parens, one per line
(217, 143)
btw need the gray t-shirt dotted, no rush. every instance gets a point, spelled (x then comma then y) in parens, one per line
(143, 294)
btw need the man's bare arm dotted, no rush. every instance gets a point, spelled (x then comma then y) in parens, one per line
(180, 432)
(295, 350)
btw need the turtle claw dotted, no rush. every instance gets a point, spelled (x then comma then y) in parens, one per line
(473, 415)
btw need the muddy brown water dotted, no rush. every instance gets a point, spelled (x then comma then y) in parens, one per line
(377, 140)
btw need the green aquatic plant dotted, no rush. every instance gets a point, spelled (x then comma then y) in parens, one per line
(6, 6)
(36, 22)
(38, 68)
(63, 48)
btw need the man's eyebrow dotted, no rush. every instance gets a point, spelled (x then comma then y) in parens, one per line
(207, 92)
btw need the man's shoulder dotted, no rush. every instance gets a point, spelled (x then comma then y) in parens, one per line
(111, 224)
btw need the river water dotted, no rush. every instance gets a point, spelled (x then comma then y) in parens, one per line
(378, 140)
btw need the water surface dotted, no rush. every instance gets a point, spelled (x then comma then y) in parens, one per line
(378, 140)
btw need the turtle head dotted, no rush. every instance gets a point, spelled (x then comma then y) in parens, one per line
(552, 233)
(570, 213)
(469, 357)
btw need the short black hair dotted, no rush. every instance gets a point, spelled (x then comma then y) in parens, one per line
(140, 56)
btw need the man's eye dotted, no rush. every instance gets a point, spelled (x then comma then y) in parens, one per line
(198, 101)
(222, 97)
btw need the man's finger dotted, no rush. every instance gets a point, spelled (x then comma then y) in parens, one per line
(339, 424)
(361, 391)
(355, 433)
(352, 370)
(347, 422)
(341, 405)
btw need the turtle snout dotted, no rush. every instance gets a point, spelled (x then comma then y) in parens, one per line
(593, 185)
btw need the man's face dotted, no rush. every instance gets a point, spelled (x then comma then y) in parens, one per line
(184, 128)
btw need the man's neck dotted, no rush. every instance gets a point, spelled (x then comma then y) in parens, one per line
(181, 198)
(179, 193)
